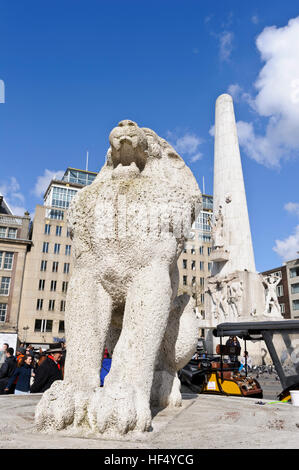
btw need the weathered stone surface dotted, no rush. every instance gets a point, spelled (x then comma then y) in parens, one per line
(128, 229)
(203, 422)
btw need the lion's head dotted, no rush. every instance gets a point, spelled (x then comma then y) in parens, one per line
(134, 150)
(128, 146)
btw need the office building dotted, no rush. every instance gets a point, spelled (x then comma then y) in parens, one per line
(49, 262)
(194, 263)
(14, 244)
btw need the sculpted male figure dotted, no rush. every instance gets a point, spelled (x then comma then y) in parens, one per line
(128, 233)
(272, 305)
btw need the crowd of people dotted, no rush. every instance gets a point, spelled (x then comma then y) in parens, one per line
(31, 371)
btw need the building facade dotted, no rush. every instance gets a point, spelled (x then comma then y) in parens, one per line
(292, 268)
(194, 263)
(14, 245)
(49, 263)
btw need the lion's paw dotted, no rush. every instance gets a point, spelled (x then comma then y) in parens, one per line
(61, 405)
(119, 410)
(166, 390)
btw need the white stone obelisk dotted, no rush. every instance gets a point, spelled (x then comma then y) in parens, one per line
(234, 291)
(229, 192)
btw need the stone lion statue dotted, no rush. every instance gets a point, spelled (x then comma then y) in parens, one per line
(128, 229)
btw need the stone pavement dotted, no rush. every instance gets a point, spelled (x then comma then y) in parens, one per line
(203, 422)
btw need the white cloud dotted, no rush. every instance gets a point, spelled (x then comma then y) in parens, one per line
(225, 45)
(187, 144)
(235, 90)
(289, 247)
(43, 181)
(196, 157)
(292, 207)
(277, 97)
(14, 198)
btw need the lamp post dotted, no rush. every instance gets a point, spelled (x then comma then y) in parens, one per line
(25, 328)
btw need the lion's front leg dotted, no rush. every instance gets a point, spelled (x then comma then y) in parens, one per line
(178, 346)
(88, 316)
(124, 403)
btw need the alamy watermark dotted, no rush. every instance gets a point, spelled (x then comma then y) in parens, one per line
(2, 92)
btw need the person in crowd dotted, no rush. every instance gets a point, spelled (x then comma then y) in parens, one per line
(49, 370)
(7, 369)
(21, 377)
(20, 353)
(246, 359)
(106, 364)
(3, 352)
(233, 343)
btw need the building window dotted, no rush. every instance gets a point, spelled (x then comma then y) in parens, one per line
(184, 264)
(193, 265)
(45, 247)
(51, 305)
(202, 281)
(55, 214)
(184, 280)
(7, 232)
(202, 298)
(279, 291)
(3, 312)
(209, 250)
(58, 230)
(201, 250)
(43, 325)
(295, 304)
(204, 238)
(294, 272)
(68, 232)
(5, 285)
(64, 286)
(41, 284)
(12, 233)
(61, 326)
(66, 268)
(53, 286)
(39, 304)
(193, 281)
(56, 248)
(68, 249)
(295, 288)
(43, 265)
(282, 308)
(201, 265)
(193, 250)
(62, 305)
(209, 266)
(55, 267)
(61, 197)
(8, 260)
(47, 229)
(203, 222)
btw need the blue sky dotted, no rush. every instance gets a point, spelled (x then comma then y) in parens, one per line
(73, 69)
